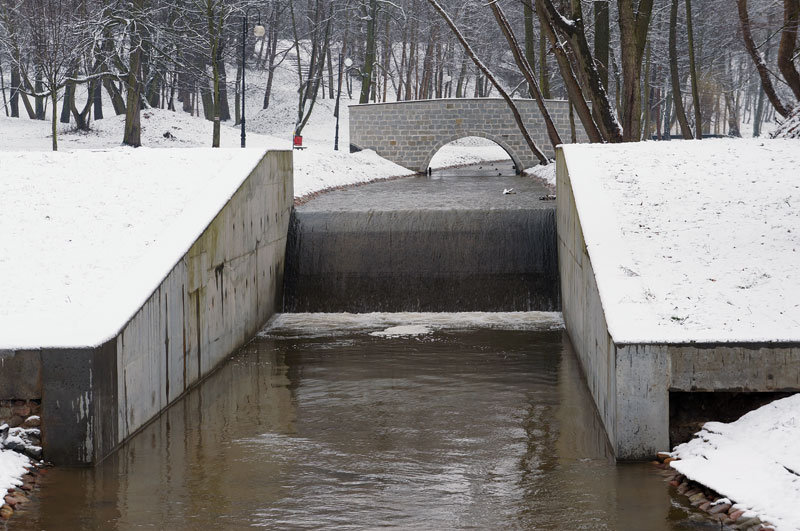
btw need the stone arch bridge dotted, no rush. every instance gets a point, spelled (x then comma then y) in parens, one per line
(410, 133)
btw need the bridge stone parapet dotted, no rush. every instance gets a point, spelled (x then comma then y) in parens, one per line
(410, 133)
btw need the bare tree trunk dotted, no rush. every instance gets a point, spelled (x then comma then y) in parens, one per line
(733, 116)
(462, 78)
(15, 84)
(698, 118)
(601, 39)
(761, 66)
(633, 25)
(224, 106)
(667, 133)
(758, 113)
(54, 120)
(69, 95)
(791, 18)
(369, 55)
(271, 71)
(97, 100)
(412, 56)
(659, 134)
(331, 94)
(602, 36)
(3, 90)
(647, 96)
(427, 69)
(387, 52)
(486, 72)
(585, 65)
(39, 100)
(133, 128)
(544, 76)
(527, 71)
(530, 44)
(677, 97)
(571, 83)
(117, 101)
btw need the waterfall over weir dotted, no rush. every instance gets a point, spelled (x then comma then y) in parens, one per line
(450, 242)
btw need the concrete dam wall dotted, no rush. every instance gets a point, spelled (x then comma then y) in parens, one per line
(451, 245)
(211, 303)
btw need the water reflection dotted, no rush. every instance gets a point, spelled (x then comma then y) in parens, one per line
(470, 429)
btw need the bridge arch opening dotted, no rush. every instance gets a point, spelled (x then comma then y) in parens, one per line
(468, 149)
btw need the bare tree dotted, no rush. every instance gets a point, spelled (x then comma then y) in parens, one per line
(486, 72)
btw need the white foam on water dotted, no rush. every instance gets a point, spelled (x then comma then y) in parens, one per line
(320, 324)
(403, 331)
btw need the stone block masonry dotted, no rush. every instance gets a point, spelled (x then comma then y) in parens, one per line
(211, 303)
(410, 133)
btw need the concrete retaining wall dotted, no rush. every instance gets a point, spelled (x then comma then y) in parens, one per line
(212, 302)
(631, 383)
(410, 133)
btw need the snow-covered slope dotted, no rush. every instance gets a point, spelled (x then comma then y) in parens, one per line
(752, 461)
(693, 240)
(85, 237)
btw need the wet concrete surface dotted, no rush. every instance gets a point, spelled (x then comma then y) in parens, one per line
(459, 429)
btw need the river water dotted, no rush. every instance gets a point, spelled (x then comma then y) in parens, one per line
(457, 428)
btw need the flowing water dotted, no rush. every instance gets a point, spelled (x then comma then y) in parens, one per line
(473, 428)
(450, 242)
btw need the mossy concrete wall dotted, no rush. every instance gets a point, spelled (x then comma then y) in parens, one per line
(212, 302)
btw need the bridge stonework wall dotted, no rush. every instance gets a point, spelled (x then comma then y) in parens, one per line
(410, 133)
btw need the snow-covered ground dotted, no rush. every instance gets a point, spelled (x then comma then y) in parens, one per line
(12, 467)
(317, 167)
(693, 240)
(753, 461)
(546, 173)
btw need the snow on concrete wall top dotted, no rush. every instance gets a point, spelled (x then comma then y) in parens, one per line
(86, 236)
(693, 241)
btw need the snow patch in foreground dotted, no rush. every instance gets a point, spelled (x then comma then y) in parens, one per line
(403, 331)
(12, 468)
(754, 461)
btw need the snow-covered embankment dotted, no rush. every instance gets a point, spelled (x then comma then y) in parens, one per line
(753, 463)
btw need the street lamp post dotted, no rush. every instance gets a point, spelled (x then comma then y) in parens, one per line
(447, 79)
(258, 31)
(348, 63)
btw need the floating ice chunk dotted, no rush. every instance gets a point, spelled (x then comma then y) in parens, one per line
(404, 330)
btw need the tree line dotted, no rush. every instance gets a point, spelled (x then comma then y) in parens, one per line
(631, 69)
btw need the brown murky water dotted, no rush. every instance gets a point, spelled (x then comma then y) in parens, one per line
(471, 429)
